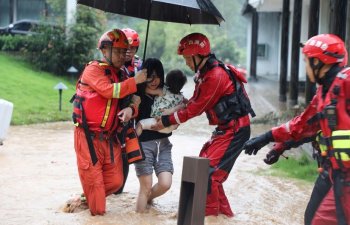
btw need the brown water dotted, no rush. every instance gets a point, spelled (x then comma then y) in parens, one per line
(38, 174)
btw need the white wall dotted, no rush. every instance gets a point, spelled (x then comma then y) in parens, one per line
(269, 33)
(303, 37)
(249, 41)
(324, 17)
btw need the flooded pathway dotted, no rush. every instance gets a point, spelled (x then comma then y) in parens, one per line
(38, 175)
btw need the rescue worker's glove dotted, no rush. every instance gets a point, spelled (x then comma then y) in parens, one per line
(253, 145)
(272, 157)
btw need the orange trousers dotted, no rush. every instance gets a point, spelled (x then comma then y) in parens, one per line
(101, 179)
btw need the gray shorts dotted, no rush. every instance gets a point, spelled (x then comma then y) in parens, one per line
(157, 156)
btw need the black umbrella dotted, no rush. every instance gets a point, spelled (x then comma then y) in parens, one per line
(177, 11)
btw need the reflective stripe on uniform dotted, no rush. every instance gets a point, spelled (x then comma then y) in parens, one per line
(103, 64)
(116, 90)
(341, 143)
(108, 109)
(177, 119)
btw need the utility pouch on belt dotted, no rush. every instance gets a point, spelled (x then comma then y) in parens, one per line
(130, 144)
(133, 149)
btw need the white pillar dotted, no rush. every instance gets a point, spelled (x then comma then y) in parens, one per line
(71, 8)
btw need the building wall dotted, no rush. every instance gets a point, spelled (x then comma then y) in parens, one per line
(303, 37)
(31, 9)
(324, 16)
(270, 33)
(249, 41)
(23, 9)
(269, 36)
(4, 12)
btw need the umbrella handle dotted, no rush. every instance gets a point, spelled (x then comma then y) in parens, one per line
(149, 18)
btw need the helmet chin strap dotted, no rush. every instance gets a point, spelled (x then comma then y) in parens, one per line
(196, 66)
(316, 69)
(109, 60)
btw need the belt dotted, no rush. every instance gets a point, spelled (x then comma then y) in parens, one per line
(241, 122)
(103, 135)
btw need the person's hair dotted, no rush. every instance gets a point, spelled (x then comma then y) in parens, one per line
(152, 65)
(175, 80)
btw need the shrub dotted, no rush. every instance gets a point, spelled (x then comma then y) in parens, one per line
(13, 43)
(54, 48)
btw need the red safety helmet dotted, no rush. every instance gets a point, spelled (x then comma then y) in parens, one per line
(115, 38)
(345, 61)
(132, 36)
(328, 48)
(194, 44)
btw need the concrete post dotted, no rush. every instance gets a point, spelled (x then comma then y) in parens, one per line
(193, 193)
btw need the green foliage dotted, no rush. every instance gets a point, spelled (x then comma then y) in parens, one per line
(58, 8)
(225, 50)
(47, 49)
(32, 93)
(55, 47)
(301, 168)
(83, 37)
(12, 43)
(57, 50)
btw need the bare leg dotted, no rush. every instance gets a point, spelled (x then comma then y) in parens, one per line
(163, 185)
(144, 192)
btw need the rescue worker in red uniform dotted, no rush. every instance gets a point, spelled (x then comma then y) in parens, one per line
(132, 64)
(221, 95)
(322, 183)
(328, 112)
(97, 115)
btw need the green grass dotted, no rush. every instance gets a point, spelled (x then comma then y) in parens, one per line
(301, 168)
(32, 92)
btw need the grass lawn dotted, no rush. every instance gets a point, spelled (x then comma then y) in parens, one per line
(32, 92)
(302, 168)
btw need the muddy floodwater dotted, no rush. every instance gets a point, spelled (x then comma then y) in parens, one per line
(38, 174)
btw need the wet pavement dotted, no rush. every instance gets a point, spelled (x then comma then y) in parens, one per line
(38, 174)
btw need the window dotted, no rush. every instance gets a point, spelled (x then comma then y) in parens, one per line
(262, 51)
(24, 26)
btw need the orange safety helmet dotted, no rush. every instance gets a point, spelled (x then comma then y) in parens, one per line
(328, 48)
(115, 38)
(132, 36)
(194, 44)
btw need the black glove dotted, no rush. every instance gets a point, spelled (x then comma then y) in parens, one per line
(272, 157)
(255, 144)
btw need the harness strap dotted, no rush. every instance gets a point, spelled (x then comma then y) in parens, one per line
(318, 116)
(327, 141)
(88, 137)
(238, 87)
(111, 149)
